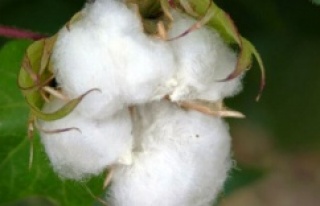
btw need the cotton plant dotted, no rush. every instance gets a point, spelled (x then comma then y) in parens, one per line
(137, 88)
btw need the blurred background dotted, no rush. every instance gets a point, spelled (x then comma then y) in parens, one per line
(276, 148)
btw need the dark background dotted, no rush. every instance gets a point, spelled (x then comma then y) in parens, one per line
(280, 138)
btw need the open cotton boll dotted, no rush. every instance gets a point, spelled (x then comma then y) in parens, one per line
(203, 60)
(79, 154)
(182, 158)
(107, 49)
(80, 64)
(145, 64)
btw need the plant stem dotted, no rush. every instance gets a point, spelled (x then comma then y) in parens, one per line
(10, 32)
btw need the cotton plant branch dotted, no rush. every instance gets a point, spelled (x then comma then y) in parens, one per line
(17, 33)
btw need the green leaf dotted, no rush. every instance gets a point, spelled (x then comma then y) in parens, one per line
(316, 2)
(242, 177)
(16, 181)
(13, 110)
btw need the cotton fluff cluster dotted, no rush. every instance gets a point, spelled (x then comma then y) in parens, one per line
(90, 147)
(108, 50)
(203, 60)
(180, 158)
(162, 154)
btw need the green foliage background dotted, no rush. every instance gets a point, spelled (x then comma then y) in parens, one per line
(287, 34)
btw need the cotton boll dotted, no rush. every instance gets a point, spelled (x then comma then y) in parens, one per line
(145, 64)
(182, 158)
(107, 49)
(204, 59)
(79, 154)
(148, 65)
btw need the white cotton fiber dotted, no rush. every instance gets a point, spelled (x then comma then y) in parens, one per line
(107, 49)
(181, 158)
(79, 154)
(203, 60)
